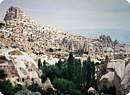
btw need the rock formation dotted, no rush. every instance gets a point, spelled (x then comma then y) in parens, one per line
(106, 41)
(19, 67)
(23, 33)
(47, 84)
(118, 76)
(25, 36)
(14, 13)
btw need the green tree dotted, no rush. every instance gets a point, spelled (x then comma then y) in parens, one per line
(44, 63)
(6, 88)
(77, 72)
(70, 62)
(84, 74)
(39, 64)
(17, 88)
(89, 72)
(64, 69)
(68, 72)
(65, 87)
(35, 88)
(2, 74)
(93, 81)
(59, 64)
(25, 91)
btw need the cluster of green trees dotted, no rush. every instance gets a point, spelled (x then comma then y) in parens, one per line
(2, 74)
(6, 88)
(71, 76)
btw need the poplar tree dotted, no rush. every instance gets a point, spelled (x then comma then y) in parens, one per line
(39, 64)
(70, 62)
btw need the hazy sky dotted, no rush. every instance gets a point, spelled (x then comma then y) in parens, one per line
(84, 17)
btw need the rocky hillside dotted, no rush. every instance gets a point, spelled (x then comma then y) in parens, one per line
(22, 32)
(19, 67)
(20, 37)
(19, 31)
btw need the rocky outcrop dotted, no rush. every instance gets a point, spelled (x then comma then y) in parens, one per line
(106, 41)
(75, 43)
(125, 83)
(92, 91)
(72, 44)
(117, 76)
(25, 34)
(15, 13)
(22, 29)
(20, 68)
(47, 84)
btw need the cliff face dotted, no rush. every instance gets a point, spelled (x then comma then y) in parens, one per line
(19, 67)
(14, 13)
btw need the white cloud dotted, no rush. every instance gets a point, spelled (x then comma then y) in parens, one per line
(1, 1)
(128, 1)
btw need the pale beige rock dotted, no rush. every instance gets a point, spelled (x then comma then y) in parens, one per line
(92, 90)
(107, 80)
(118, 77)
(47, 84)
(125, 83)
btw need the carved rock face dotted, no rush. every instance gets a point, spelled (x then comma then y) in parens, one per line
(20, 67)
(14, 13)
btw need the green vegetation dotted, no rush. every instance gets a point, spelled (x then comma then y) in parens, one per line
(65, 87)
(6, 88)
(35, 88)
(71, 76)
(39, 63)
(2, 74)
(25, 91)
(17, 88)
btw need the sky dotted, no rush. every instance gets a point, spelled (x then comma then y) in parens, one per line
(89, 18)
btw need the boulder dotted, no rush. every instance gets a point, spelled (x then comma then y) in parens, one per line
(125, 83)
(107, 80)
(118, 66)
(92, 91)
(47, 84)
(118, 75)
